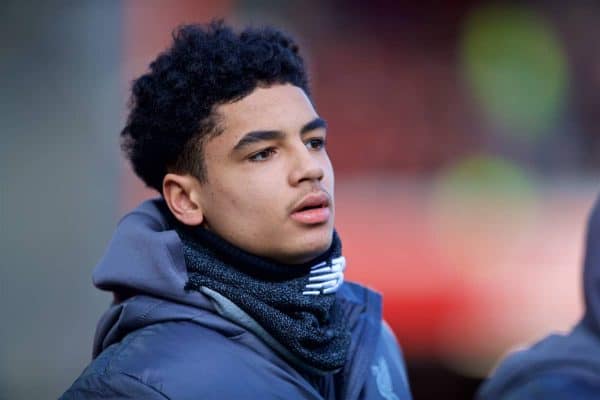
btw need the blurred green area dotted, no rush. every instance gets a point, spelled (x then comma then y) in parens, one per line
(516, 66)
(486, 176)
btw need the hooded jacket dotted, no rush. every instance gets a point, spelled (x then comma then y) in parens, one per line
(559, 366)
(159, 341)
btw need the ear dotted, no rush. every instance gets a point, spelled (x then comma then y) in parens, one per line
(182, 194)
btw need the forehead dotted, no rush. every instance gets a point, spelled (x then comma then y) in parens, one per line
(274, 107)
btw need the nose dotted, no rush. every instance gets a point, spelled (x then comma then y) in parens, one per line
(306, 167)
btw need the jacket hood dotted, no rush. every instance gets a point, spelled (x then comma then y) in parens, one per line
(577, 351)
(144, 263)
(145, 256)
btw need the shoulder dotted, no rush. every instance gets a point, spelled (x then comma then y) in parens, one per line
(553, 385)
(385, 374)
(559, 366)
(182, 359)
(359, 294)
(111, 386)
(388, 370)
(386, 347)
(382, 366)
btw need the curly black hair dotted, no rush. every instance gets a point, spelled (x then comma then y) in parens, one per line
(171, 106)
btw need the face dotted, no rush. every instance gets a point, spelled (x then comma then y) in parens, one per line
(269, 186)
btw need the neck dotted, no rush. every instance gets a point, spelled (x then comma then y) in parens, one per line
(254, 265)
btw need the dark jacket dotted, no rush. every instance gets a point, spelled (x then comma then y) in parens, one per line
(560, 366)
(158, 341)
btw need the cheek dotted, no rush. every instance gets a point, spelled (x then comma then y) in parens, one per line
(252, 198)
(329, 177)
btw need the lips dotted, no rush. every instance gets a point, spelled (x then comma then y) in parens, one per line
(312, 209)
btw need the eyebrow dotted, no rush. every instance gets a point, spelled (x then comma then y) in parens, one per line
(259, 136)
(314, 124)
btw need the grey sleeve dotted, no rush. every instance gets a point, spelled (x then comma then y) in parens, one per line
(118, 386)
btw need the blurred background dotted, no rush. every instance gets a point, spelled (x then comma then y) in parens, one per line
(465, 137)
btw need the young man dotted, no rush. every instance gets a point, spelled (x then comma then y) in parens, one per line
(231, 284)
(560, 366)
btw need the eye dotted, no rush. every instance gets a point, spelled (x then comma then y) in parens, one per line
(262, 155)
(316, 143)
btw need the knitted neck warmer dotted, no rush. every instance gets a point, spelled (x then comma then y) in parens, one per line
(292, 303)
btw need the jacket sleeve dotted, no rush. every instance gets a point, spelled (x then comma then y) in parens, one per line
(387, 377)
(551, 386)
(118, 386)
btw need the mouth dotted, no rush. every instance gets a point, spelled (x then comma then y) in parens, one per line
(312, 209)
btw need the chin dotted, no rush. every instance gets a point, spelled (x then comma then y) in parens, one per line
(310, 246)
